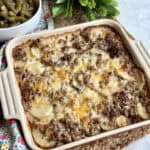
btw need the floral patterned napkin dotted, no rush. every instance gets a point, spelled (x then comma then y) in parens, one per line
(10, 136)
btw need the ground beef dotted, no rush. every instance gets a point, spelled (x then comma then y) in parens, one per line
(46, 62)
(18, 70)
(37, 43)
(27, 92)
(77, 132)
(86, 79)
(85, 34)
(114, 52)
(76, 45)
(63, 131)
(76, 42)
(115, 46)
(102, 45)
(95, 127)
(59, 132)
(46, 59)
(62, 42)
(142, 96)
(19, 54)
(123, 104)
(110, 39)
(66, 57)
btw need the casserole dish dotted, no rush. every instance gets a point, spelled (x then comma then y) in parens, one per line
(11, 96)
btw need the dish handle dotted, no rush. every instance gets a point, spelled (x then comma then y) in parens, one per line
(139, 45)
(144, 53)
(7, 97)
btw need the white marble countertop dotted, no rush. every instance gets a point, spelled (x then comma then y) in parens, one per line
(135, 16)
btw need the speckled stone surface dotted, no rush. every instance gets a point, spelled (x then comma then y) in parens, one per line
(135, 16)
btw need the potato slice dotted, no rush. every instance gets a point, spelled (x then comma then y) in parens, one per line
(36, 52)
(123, 74)
(122, 121)
(41, 109)
(139, 78)
(142, 111)
(35, 67)
(105, 124)
(41, 139)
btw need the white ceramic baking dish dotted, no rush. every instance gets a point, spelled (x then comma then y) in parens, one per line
(10, 93)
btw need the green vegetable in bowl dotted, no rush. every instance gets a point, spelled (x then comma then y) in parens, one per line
(92, 8)
(14, 12)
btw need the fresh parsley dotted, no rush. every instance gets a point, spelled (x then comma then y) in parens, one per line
(92, 8)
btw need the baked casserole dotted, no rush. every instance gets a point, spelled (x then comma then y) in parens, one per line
(78, 84)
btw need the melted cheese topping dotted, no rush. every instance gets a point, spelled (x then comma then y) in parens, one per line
(91, 94)
(142, 111)
(97, 32)
(81, 110)
(103, 81)
(35, 67)
(113, 86)
(41, 109)
(75, 79)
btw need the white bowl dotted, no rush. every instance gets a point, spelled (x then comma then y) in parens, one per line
(26, 27)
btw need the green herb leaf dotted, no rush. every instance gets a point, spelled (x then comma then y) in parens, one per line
(88, 3)
(83, 2)
(102, 11)
(92, 4)
(112, 11)
(92, 8)
(60, 1)
(90, 14)
(57, 10)
(114, 3)
(68, 10)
